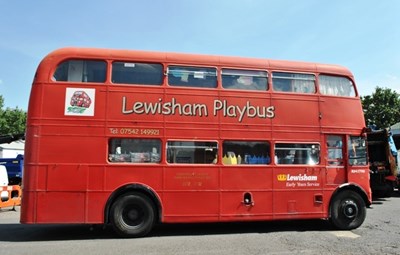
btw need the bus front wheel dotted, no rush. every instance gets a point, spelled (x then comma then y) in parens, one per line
(347, 210)
(132, 215)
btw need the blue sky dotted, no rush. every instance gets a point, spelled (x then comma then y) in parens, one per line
(363, 35)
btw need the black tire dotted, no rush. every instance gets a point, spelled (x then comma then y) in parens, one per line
(347, 210)
(132, 215)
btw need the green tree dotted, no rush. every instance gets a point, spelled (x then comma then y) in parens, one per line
(12, 121)
(382, 108)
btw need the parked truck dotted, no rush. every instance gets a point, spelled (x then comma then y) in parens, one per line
(14, 166)
(11, 170)
(382, 154)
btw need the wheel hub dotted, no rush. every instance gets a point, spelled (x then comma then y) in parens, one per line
(133, 215)
(350, 209)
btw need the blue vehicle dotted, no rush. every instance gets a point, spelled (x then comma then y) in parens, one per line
(15, 168)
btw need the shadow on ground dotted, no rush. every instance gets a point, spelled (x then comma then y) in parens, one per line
(37, 233)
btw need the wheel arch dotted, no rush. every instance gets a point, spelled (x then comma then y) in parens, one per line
(353, 187)
(129, 188)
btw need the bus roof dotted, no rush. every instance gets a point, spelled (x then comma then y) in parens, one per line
(194, 59)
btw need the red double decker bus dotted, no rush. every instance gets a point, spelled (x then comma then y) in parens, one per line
(134, 138)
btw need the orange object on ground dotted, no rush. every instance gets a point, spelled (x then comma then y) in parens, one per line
(10, 196)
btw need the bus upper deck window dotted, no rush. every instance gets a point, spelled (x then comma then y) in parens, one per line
(81, 71)
(336, 86)
(200, 77)
(137, 73)
(293, 82)
(244, 79)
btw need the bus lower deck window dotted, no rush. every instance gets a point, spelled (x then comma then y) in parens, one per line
(245, 153)
(190, 152)
(297, 154)
(357, 150)
(134, 150)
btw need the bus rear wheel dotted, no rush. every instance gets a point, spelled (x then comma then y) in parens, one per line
(348, 210)
(132, 215)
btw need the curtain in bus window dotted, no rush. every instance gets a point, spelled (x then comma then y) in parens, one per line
(81, 71)
(293, 82)
(336, 86)
(137, 73)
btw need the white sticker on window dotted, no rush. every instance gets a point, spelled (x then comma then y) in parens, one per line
(199, 75)
(129, 64)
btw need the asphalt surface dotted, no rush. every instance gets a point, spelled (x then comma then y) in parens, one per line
(380, 234)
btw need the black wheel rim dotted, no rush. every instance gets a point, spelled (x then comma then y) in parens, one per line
(133, 215)
(349, 209)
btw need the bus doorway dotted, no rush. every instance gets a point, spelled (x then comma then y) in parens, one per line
(336, 171)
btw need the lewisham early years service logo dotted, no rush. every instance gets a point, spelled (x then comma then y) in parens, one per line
(79, 102)
(300, 180)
